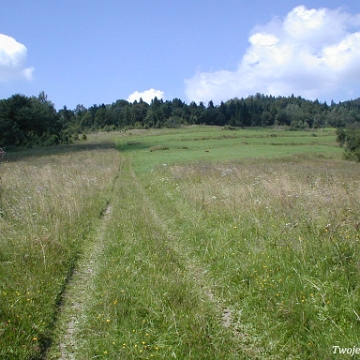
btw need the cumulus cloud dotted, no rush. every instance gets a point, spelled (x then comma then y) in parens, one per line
(314, 53)
(13, 59)
(146, 95)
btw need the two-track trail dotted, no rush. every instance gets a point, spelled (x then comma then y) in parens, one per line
(137, 292)
(77, 291)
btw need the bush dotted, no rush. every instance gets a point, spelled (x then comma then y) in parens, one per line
(51, 140)
(174, 122)
(341, 136)
(349, 139)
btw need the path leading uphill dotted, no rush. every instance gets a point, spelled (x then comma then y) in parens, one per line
(175, 290)
(77, 291)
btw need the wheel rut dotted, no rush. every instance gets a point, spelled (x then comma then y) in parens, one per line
(196, 273)
(76, 294)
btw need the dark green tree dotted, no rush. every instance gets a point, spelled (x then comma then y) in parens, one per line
(26, 121)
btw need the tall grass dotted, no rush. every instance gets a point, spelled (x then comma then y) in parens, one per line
(219, 247)
(48, 206)
(141, 302)
(279, 240)
(210, 259)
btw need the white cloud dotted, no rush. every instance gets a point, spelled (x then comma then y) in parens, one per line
(313, 53)
(147, 95)
(12, 60)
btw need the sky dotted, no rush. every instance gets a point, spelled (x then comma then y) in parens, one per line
(93, 52)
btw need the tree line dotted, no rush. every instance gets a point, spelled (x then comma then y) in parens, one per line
(31, 121)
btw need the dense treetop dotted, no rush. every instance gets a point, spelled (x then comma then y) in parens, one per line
(29, 121)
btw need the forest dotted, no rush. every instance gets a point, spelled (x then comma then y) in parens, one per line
(32, 121)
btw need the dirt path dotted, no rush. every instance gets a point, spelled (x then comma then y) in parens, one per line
(77, 291)
(196, 272)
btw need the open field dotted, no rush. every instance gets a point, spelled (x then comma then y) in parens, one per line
(194, 243)
(214, 144)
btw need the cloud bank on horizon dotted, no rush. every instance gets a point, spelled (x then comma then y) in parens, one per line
(312, 52)
(13, 60)
(146, 95)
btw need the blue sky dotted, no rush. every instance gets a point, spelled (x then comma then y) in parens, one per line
(93, 52)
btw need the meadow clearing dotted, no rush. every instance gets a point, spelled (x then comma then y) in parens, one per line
(192, 243)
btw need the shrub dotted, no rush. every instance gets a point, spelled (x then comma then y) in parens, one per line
(341, 136)
(174, 122)
(349, 139)
(50, 140)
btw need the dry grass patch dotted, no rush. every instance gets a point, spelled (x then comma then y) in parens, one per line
(48, 207)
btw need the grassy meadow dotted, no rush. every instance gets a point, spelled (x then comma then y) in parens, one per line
(192, 243)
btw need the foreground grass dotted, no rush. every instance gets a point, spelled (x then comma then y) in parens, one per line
(222, 248)
(48, 206)
(217, 259)
(280, 242)
(142, 302)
